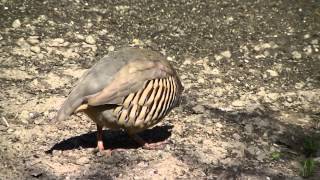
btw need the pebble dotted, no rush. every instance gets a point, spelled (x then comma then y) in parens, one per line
(238, 103)
(111, 48)
(137, 42)
(219, 91)
(35, 49)
(201, 80)
(306, 36)
(218, 125)
(199, 109)
(236, 136)
(272, 73)
(226, 54)
(33, 40)
(299, 85)
(83, 160)
(308, 50)
(248, 128)
(187, 61)
(273, 96)
(215, 71)
(90, 40)
(16, 23)
(21, 42)
(315, 41)
(296, 55)
(24, 115)
(261, 156)
(56, 42)
(252, 150)
(218, 57)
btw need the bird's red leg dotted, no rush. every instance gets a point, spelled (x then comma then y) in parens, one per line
(100, 138)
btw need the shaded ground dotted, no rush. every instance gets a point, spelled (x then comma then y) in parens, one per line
(251, 72)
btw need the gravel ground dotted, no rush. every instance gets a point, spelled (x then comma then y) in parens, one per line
(251, 72)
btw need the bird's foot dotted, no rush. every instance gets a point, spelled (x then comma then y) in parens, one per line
(100, 151)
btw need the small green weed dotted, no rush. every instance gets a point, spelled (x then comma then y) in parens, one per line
(275, 155)
(308, 167)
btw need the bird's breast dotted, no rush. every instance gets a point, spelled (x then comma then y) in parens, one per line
(149, 105)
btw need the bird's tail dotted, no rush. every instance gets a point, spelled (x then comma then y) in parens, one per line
(69, 106)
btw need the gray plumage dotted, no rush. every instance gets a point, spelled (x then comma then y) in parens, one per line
(131, 89)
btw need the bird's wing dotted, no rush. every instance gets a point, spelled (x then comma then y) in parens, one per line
(130, 79)
(91, 82)
(114, 77)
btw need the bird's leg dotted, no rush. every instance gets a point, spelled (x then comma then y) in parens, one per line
(145, 145)
(100, 145)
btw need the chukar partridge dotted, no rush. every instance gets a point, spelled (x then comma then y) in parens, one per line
(132, 89)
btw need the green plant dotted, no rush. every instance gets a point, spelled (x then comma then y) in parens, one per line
(275, 155)
(308, 166)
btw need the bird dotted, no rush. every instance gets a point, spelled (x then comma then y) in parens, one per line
(131, 89)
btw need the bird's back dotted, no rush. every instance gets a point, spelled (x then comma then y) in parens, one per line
(102, 74)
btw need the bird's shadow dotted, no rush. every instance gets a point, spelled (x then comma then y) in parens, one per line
(113, 139)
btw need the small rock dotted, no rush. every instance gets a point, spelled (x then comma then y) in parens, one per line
(33, 40)
(289, 99)
(56, 42)
(306, 36)
(226, 54)
(257, 48)
(111, 48)
(229, 19)
(317, 159)
(35, 49)
(137, 42)
(272, 73)
(199, 109)
(170, 58)
(51, 115)
(219, 91)
(21, 42)
(201, 80)
(38, 121)
(16, 23)
(33, 115)
(262, 123)
(265, 45)
(261, 156)
(315, 41)
(236, 136)
(296, 55)
(238, 103)
(90, 40)
(308, 50)
(217, 80)
(79, 36)
(187, 61)
(218, 57)
(299, 85)
(36, 173)
(183, 76)
(218, 125)
(248, 128)
(24, 115)
(215, 71)
(83, 160)
(252, 150)
(273, 96)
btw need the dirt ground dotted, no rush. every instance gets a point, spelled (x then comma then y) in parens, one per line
(251, 72)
